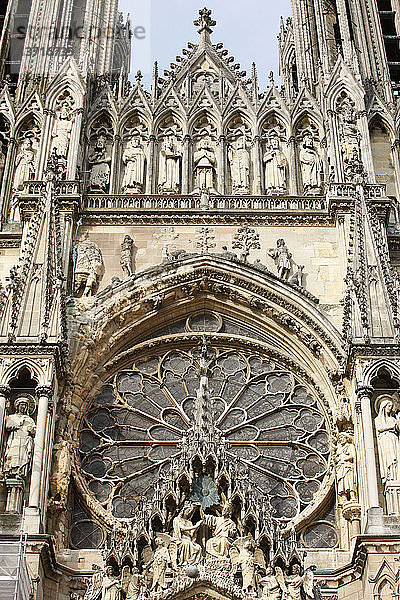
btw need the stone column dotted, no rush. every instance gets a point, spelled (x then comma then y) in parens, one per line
(152, 187)
(5, 391)
(257, 159)
(222, 165)
(44, 395)
(293, 176)
(364, 399)
(186, 169)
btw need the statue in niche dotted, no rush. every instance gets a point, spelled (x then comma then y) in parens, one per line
(111, 585)
(276, 167)
(387, 425)
(99, 161)
(134, 160)
(205, 165)
(188, 551)
(349, 135)
(170, 162)
(239, 159)
(62, 131)
(88, 266)
(134, 585)
(283, 257)
(59, 483)
(298, 586)
(346, 468)
(160, 564)
(224, 529)
(311, 166)
(273, 584)
(19, 447)
(25, 164)
(127, 256)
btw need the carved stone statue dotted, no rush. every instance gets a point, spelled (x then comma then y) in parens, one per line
(133, 591)
(21, 430)
(99, 161)
(184, 533)
(311, 166)
(88, 266)
(134, 160)
(160, 564)
(239, 159)
(127, 256)
(283, 257)
(25, 164)
(246, 561)
(346, 468)
(170, 161)
(298, 277)
(62, 131)
(349, 135)
(300, 586)
(224, 529)
(276, 167)
(272, 588)
(205, 165)
(111, 585)
(61, 472)
(387, 425)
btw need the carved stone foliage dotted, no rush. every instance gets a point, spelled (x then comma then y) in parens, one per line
(275, 161)
(270, 421)
(99, 155)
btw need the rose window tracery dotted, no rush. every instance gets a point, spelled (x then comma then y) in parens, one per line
(268, 419)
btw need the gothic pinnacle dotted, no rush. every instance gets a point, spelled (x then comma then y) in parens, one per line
(204, 22)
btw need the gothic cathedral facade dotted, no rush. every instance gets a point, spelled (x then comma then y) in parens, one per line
(199, 310)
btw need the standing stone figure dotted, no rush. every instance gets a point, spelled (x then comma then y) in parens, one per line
(246, 561)
(224, 529)
(311, 166)
(99, 161)
(62, 131)
(283, 257)
(184, 533)
(239, 159)
(205, 165)
(271, 586)
(25, 164)
(61, 472)
(346, 468)
(350, 136)
(387, 427)
(170, 162)
(160, 564)
(276, 166)
(21, 430)
(134, 160)
(88, 266)
(111, 586)
(126, 256)
(300, 587)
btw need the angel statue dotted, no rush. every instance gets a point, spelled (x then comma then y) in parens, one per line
(273, 584)
(297, 584)
(245, 555)
(224, 529)
(188, 551)
(94, 588)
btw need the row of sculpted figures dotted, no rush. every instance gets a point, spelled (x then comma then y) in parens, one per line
(201, 547)
(137, 158)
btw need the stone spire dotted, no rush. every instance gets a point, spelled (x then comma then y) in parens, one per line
(204, 22)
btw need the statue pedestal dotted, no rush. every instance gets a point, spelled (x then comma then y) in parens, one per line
(392, 496)
(352, 513)
(15, 493)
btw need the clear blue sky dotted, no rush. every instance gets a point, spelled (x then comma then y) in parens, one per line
(247, 29)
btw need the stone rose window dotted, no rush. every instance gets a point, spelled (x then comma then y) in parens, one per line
(267, 417)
